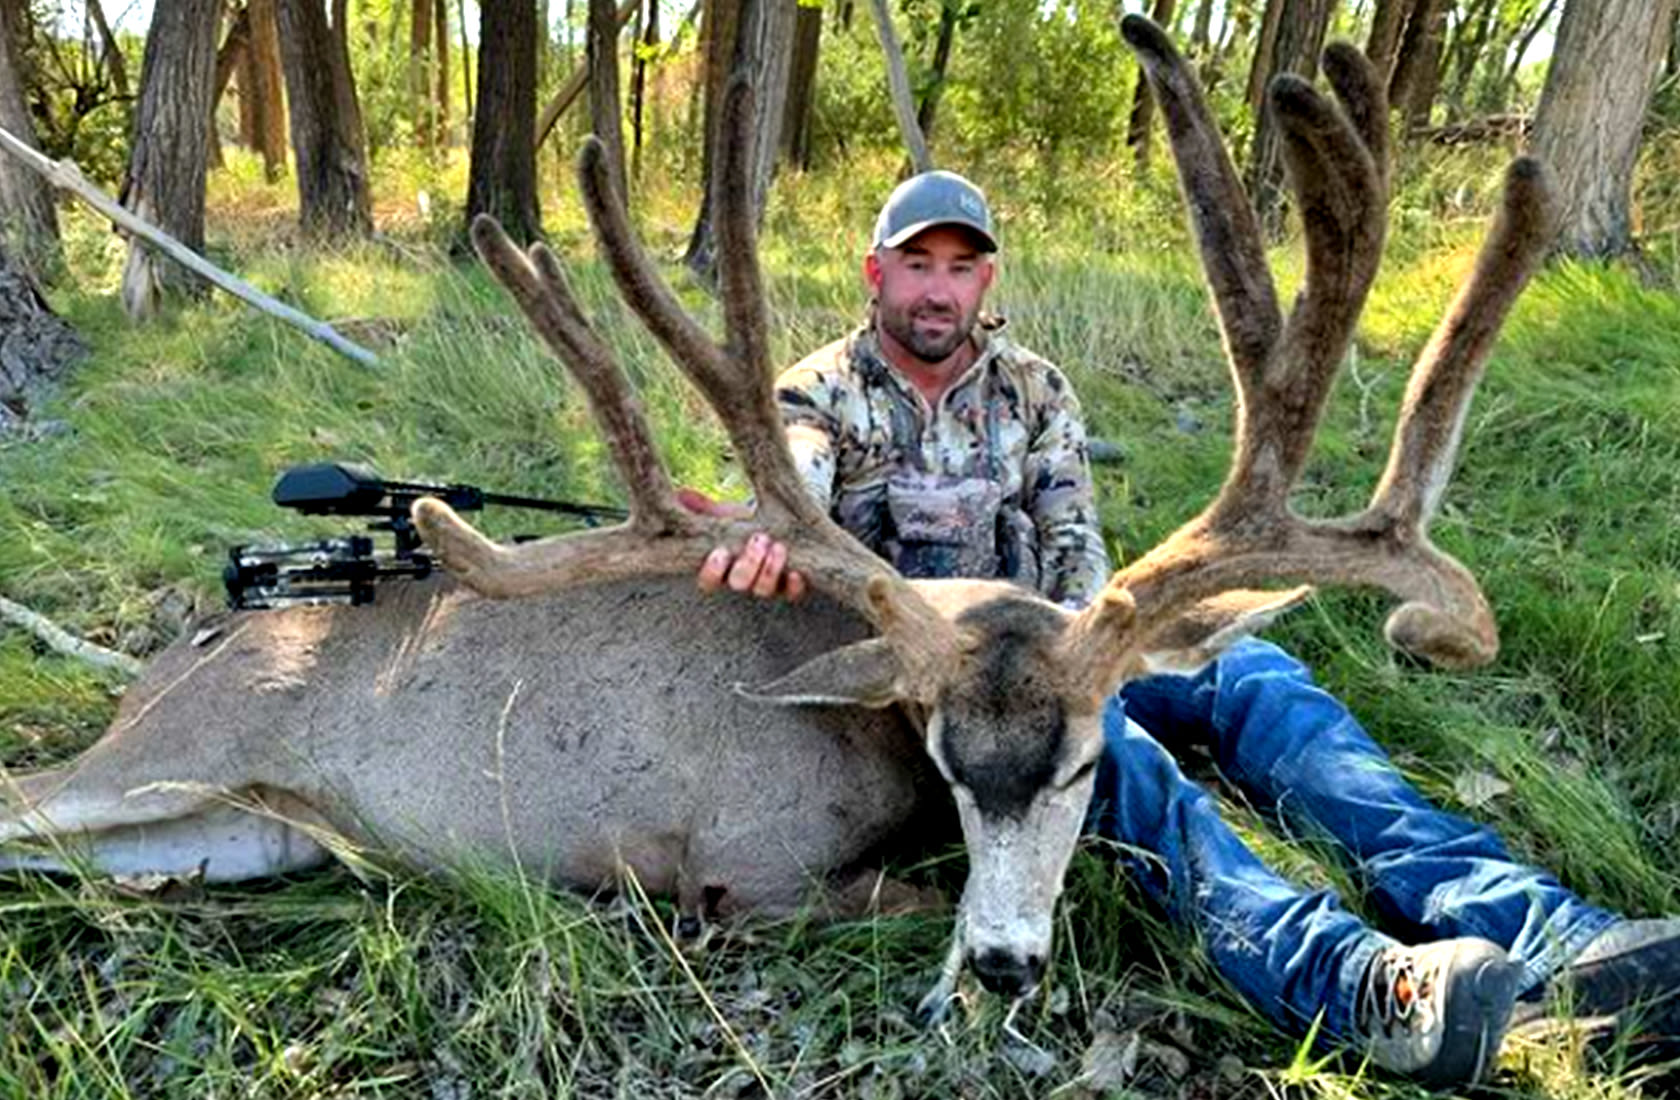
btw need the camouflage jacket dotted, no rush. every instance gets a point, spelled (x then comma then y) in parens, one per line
(995, 482)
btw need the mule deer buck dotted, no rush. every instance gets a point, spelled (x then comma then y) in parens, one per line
(569, 708)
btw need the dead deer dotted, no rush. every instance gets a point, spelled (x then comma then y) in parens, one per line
(572, 707)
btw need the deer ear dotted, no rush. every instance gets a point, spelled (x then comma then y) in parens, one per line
(863, 674)
(1199, 635)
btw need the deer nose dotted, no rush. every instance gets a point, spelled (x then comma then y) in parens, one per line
(1007, 974)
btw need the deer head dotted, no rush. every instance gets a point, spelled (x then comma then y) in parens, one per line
(1008, 687)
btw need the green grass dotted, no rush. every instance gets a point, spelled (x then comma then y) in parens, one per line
(333, 985)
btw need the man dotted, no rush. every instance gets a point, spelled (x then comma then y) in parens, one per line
(951, 451)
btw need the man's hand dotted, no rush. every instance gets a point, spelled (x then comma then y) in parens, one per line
(760, 567)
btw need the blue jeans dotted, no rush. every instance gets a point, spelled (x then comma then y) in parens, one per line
(1297, 754)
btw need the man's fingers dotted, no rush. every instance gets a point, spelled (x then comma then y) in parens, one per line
(770, 575)
(744, 573)
(795, 586)
(715, 569)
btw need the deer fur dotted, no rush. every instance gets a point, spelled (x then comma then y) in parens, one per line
(571, 707)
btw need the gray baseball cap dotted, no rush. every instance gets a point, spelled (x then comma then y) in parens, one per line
(930, 199)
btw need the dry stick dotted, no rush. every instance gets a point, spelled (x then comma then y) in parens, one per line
(65, 175)
(898, 81)
(57, 638)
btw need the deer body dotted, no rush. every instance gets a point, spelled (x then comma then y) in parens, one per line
(569, 735)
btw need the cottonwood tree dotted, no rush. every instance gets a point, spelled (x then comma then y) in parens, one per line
(164, 183)
(328, 140)
(1292, 37)
(1604, 68)
(28, 218)
(753, 37)
(262, 102)
(502, 179)
(802, 87)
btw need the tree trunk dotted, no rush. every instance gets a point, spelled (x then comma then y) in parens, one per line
(1426, 81)
(263, 84)
(327, 136)
(898, 86)
(1301, 26)
(1409, 54)
(164, 183)
(419, 71)
(1591, 114)
(440, 84)
(1469, 44)
(236, 49)
(1388, 21)
(1201, 38)
(503, 174)
(28, 218)
(928, 111)
(648, 36)
(759, 43)
(36, 347)
(1143, 102)
(1265, 50)
(110, 54)
(802, 86)
(606, 117)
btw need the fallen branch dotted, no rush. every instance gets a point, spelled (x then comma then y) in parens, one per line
(574, 83)
(64, 175)
(62, 641)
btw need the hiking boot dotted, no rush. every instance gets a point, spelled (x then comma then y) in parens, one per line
(1624, 984)
(1437, 1012)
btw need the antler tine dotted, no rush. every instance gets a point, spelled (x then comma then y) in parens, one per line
(1249, 538)
(1233, 253)
(539, 287)
(744, 309)
(741, 394)
(1344, 210)
(1438, 395)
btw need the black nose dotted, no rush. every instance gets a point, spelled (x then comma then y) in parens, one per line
(1005, 974)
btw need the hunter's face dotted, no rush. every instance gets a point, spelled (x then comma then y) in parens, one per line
(928, 291)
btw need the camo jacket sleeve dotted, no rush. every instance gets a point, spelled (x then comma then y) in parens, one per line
(1061, 500)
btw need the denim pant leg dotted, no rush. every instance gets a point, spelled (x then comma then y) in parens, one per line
(1296, 751)
(1292, 953)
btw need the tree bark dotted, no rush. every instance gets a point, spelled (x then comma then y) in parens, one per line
(229, 60)
(1410, 53)
(898, 85)
(1388, 20)
(759, 45)
(326, 124)
(1469, 44)
(164, 183)
(262, 89)
(1588, 126)
(1299, 39)
(419, 71)
(1143, 102)
(1201, 38)
(503, 174)
(28, 216)
(440, 85)
(36, 346)
(648, 37)
(1426, 84)
(1265, 50)
(802, 86)
(928, 111)
(606, 118)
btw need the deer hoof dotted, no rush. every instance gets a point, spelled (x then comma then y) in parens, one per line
(935, 1008)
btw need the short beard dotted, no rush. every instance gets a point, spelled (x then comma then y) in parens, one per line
(902, 328)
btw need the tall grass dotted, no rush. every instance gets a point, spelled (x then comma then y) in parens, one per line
(479, 985)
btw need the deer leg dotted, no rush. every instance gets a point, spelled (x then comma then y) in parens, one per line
(222, 842)
(936, 1005)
